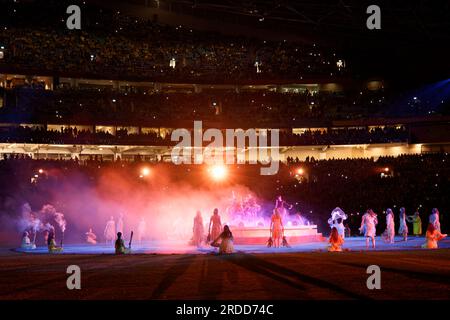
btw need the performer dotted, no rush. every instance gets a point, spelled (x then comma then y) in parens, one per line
(226, 243)
(390, 226)
(276, 228)
(403, 229)
(432, 237)
(368, 224)
(434, 219)
(142, 230)
(198, 230)
(215, 225)
(51, 242)
(336, 241)
(26, 242)
(281, 205)
(417, 223)
(119, 225)
(110, 230)
(337, 221)
(120, 245)
(91, 237)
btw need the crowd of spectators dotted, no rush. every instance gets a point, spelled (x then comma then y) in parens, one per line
(242, 108)
(111, 44)
(416, 182)
(122, 137)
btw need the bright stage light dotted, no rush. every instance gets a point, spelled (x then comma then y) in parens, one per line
(145, 172)
(218, 172)
(41, 171)
(300, 171)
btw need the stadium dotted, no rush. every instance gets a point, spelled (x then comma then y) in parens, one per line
(224, 150)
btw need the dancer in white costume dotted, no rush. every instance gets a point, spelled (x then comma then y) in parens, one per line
(337, 221)
(110, 231)
(142, 228)
(403, 229)
(91, 237)
(434, 219)
(26, 242)
(368, 223)
(198, 230)
(119, 225)
(390, 226)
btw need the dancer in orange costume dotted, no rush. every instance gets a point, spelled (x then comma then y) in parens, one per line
(335, 241)
(276, 227)
(432, 236)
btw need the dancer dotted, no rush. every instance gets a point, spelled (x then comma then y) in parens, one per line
(51, 242)
(198, 230)
(434, 219)
(91, 237)
(390, 226)
(337, 221)
(280, 205)
(26, 242)
(432, 237)
(368, 224)
(110, 231)
(120, 245)
(276, 228)
(119, 225)
(142, 228)
(417, 223)
(403, 229)
(336, 241)
(215, 225)
(226, 244)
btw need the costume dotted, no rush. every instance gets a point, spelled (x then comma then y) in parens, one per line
(337, 221)
(51, 243)
(216, 226)
(369, 223)
(119, 225)
(110, 230)
(417, 223)
(91, 237)
(198, 231)
(434, 220)
(403, 226)
(390, 227)
(120, 246)
(226, 246)
(26, 242)
(335, 245)
(277, 226)
(432, 239)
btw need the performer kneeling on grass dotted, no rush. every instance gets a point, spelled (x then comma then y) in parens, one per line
(226, 243)
(51, 242)
(26, 242)
(120, 245)
(368, 224)
(432, 236)
(336, 241)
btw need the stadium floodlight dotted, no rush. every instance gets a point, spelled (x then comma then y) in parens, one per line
(145, 172)
(218, 172)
